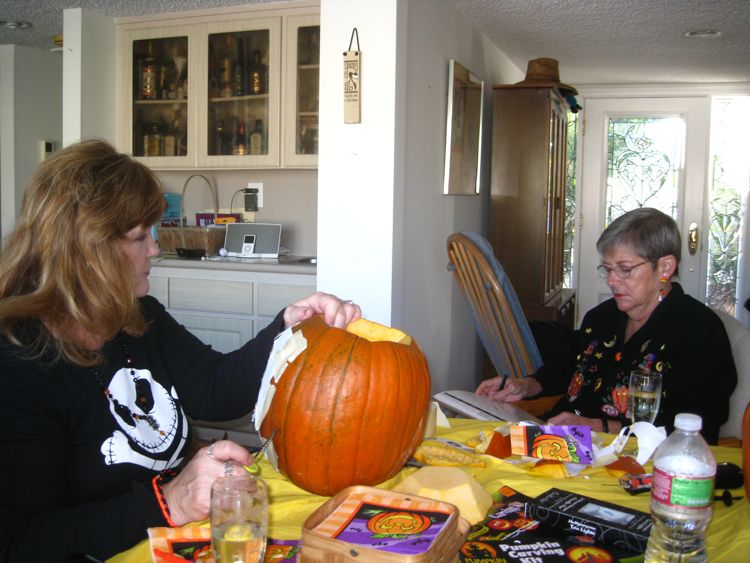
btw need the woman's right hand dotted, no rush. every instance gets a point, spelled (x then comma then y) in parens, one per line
(515, 389)
(188, 495)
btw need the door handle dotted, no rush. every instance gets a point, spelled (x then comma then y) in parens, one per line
(693, 238)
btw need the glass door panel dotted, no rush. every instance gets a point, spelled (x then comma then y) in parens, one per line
(160, 97)
(643, 152)
(302, 76)
(308, 73)
(238, 93)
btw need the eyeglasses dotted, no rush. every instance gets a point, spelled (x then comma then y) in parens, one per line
(622, 272)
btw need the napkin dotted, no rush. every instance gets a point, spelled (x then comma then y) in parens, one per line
(649, 437)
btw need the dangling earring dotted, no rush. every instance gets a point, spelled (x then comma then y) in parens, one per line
(663, 291)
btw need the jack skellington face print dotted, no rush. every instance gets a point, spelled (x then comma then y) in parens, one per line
(152, 426)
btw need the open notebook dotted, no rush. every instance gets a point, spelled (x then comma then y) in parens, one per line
(466, 403)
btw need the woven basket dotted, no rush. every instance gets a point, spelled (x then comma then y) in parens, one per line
(193, 242)
(207, 239)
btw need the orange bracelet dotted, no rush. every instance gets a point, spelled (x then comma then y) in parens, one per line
(156, 482)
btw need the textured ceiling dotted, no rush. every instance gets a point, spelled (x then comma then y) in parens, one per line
(596, 41)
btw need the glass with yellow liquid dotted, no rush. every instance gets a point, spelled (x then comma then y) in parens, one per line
(239, 519)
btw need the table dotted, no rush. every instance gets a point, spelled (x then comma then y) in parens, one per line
(728, 533)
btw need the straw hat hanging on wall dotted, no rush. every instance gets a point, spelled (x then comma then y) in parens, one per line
(545, 72)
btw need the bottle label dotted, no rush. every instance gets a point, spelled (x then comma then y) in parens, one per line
(682, 491)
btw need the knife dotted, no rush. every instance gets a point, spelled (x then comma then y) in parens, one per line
(254, 469)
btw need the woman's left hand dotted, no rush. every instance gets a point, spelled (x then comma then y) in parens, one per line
(335, 312)
(570, 419)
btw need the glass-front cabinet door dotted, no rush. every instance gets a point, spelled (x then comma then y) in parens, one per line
(158, 66)
(202, 95)
(302, 87)
(239, 121)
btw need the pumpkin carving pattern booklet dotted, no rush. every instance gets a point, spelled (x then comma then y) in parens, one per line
(508, 535)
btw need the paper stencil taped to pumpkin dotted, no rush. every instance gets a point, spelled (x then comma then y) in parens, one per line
(346, 410)
(286, 347)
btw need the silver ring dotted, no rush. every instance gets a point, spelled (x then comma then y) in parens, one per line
(349, 301)
(210, 451)
(228, 467)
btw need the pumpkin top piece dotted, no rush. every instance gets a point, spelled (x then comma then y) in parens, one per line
(375, 332)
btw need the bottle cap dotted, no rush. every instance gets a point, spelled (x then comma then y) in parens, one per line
(688, 421)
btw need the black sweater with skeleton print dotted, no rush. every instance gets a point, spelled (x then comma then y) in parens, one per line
(80, 446)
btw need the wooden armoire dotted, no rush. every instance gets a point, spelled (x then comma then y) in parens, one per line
(527, 201)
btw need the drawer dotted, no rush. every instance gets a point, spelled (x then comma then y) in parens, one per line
(272, 298)
(210, 295)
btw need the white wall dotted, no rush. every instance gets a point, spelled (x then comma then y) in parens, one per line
(382, 218)
(89, 56)
(30, 109)
(430, 306)
(356, 164)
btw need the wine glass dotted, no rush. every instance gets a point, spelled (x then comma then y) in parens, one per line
(644, 395)
(239, 519)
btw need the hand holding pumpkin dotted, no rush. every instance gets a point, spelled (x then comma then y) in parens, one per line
(336, 313)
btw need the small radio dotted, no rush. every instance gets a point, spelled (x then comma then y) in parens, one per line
(252, 240)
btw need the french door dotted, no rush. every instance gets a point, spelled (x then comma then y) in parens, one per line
(644, 152)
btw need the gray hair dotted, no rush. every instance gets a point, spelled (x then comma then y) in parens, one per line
(649, 232)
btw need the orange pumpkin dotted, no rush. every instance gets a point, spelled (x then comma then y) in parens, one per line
(348, 410)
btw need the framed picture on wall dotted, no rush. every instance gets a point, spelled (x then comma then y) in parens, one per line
(463, 136)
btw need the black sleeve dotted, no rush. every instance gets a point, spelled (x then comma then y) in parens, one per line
(211, 385)
(557, 345)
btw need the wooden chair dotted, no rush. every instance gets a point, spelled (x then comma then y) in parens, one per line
(495, 309)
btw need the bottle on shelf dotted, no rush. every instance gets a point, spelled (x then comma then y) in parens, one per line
(150, 75)
(681, 495)
(238, 72)
(257, 85)
(256, 139)
(240, 140)
(226, 70)
(152, 141)
(179, 132)
(219, 136)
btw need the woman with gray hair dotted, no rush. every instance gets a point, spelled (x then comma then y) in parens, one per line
(649, 322)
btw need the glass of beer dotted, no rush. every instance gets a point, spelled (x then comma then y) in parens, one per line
(239, 519)
(644, 395)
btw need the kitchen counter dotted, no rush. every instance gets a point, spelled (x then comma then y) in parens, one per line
(282, 265)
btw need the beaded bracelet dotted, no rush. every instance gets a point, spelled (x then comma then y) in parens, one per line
(163, 477)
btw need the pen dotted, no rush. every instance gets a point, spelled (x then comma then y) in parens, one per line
(502, 383)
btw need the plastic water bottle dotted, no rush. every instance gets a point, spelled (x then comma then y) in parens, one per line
(681, 495)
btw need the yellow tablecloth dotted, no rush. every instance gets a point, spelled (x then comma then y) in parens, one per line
(728, 532)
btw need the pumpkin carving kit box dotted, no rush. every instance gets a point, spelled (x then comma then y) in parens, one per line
(609, 523)
(509, 535)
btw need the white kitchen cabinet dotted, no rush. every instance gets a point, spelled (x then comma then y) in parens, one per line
(205, 89)
(226, 306)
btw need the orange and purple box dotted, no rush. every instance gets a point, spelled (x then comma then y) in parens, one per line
(560, 443)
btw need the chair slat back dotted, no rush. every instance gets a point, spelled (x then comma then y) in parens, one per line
(495, 309)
